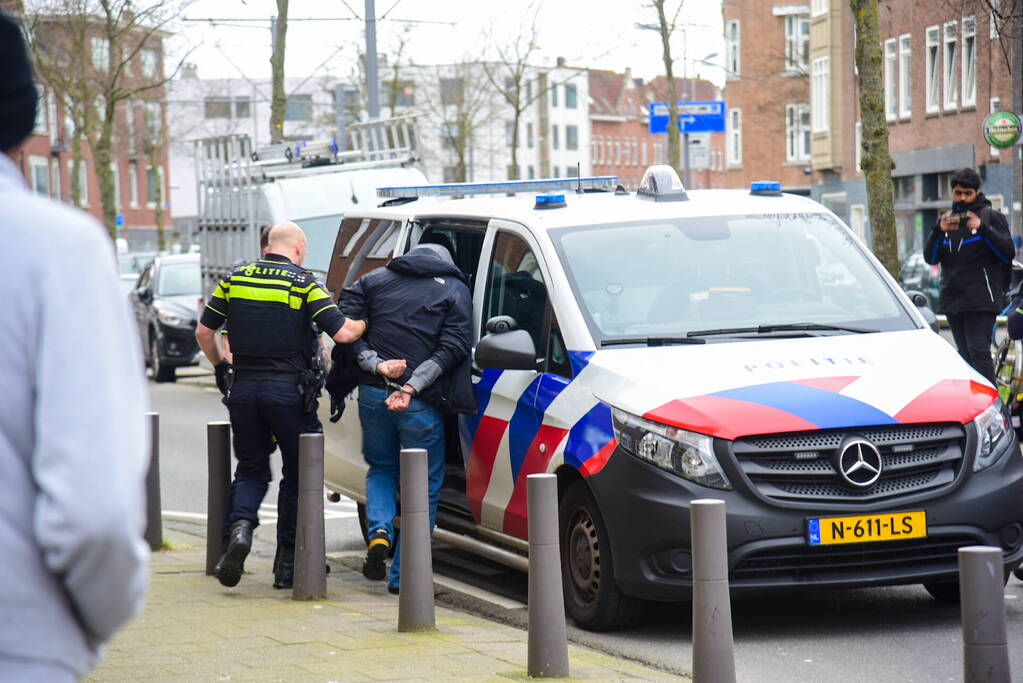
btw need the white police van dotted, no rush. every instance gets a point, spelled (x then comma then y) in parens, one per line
(654, 348)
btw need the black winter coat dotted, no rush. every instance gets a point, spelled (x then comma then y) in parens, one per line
(418, 308)
(975, 265)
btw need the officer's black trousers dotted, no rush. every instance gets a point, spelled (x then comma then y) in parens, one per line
(972, 334)
(261, 410)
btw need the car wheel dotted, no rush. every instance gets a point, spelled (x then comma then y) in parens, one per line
(161, 372)
(592, 596)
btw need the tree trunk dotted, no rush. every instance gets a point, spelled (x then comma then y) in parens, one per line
(76, 168)
(278, 99)
(513, 172)
(669, 71)
(154, 161)
(877, 161)
(103, 156)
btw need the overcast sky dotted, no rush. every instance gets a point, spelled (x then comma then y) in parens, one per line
(593, 33)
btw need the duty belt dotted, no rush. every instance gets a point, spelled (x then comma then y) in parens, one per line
(290, 377)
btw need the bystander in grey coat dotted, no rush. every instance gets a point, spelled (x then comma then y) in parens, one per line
(73, 443)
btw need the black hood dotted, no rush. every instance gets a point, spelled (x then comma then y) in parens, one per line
(979, 203)
(426, 260)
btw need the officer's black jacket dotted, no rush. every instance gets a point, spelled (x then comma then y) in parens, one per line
(975, 265)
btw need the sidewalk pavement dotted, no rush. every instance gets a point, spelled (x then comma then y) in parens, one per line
(193, 629)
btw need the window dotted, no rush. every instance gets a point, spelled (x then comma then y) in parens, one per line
(529, 92)
(571, 171)
(40, 123)
(83, 181)
(734, 137)
(904, 188)
(797, 42)
(69, 119)
(529, 135)
(129, 125)
(449, 135)
(217, 108)
(819, 94)
(818, 7)
(133, 184)
(572, 137)
(932, 70)
(951, 82)
(509, 133)
(732, 62)
(554, 95)
(403, 95)
(516, 287)
(150, 62)
(100, 53)
(858, 141)
(993, 18)
(154, 189)
(797, 132)
(969, 62)
(40, 175)
(905, 76)
(298, 108)
(555, 139)
(154, 121)
(531, 172)
(242, 107)
(557, 173)
(891, 96)
(451, 91)
(571, 96)
(643, 152)
(51, 115)
(55, 178)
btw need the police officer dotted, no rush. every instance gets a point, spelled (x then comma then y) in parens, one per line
(272, 308)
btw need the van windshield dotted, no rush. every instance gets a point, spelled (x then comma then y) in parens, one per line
(717, 273)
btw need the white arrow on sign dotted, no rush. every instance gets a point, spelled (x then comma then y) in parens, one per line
(687, 119)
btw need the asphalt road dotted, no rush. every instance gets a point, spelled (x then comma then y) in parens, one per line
(889, 634)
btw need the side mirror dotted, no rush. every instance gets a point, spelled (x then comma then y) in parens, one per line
(919, 299)
(145, 295)
(513, 350)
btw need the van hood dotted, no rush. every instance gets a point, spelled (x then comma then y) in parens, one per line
(738, 389)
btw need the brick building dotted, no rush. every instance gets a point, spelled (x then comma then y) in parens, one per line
(944, 72)
(767, 64)
(139, 173)
(622, 144)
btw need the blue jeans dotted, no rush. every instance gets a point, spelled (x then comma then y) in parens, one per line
(261, 410)
(384, 433)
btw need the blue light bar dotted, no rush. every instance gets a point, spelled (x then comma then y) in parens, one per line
(551, 200)
(502, 187)
(770, 188)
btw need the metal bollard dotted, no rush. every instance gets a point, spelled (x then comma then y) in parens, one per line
(310, 545)
(547, 636)
(218, 489)
(713, 650)
(154, 520)
(415, 600)
(982, 601)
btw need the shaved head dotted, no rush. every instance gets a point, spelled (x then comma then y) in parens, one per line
(287, 239)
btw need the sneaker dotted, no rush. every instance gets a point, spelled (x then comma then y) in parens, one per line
(393, 590)
(232, 563)
(375, 568)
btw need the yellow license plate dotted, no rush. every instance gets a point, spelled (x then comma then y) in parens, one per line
(888, 526)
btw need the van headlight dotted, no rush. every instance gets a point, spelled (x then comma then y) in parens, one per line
(688, 454)
(992, 432)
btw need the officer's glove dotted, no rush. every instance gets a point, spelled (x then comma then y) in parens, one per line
(223, 371)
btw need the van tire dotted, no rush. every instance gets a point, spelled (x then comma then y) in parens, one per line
(161, 371)
(592, 596)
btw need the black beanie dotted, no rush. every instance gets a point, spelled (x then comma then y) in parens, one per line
(18, 95)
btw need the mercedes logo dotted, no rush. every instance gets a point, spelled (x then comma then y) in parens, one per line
(860, 463)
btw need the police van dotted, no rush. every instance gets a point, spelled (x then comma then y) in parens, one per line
(657, 347)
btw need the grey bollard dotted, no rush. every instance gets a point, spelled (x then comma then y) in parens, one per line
(713, 650)
(154, 520)
(415, 600)
(547, 636)
(218, 489)
(310, 545)
(982, 601)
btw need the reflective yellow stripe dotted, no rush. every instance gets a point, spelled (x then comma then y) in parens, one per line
(222, 291)
(215, 310)
(317, 294)
(1020, 311)
(281, 296)
(305, 289)
(313, 317)
(261, 280)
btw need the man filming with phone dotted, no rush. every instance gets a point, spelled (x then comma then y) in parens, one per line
(973, 246)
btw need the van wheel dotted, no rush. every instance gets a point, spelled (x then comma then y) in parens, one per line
(592, 596)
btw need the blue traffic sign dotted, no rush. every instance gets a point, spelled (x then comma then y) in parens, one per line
(693, 117)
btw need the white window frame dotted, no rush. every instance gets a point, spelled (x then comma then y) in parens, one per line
(905, 76)
(150, 59)
(51, 116)
(100, 50)
(643, 152)
(133, 185)
(796, 147)
(115, 172)
(891, 93)
(794, 40)
(83, 181)
(932, 69)
(734, 139)
(40, 123)
(39, 162)
(820, 93)
(733, 51)
(818, 7)
(969, 58)
(950, 73)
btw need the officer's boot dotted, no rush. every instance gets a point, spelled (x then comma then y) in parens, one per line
(232, 563)
(284, 566)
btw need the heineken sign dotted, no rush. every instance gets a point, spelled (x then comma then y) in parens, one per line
(1002, 129)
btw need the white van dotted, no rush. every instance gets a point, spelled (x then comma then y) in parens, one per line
(670, 345)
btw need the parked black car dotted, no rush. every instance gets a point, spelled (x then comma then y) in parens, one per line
(165, 303)
(921, 276)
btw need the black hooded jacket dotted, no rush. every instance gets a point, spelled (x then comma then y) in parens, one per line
(418, 308)
(975, 264)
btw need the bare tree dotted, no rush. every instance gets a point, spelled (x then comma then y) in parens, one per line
(667, 29)
(279, 98)
(877, 161)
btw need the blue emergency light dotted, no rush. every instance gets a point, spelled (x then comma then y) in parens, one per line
(501, 187)
(550, 200)
(765, 188)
